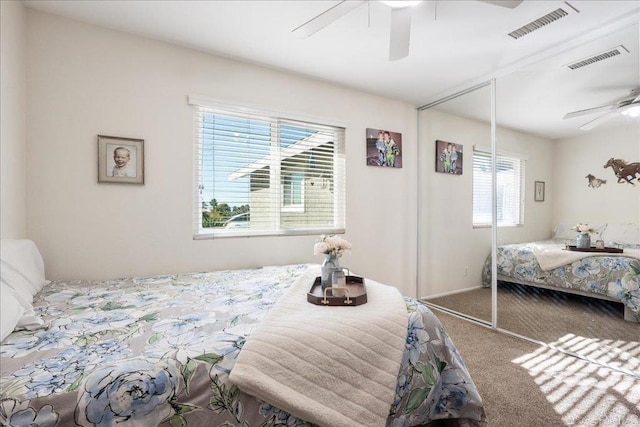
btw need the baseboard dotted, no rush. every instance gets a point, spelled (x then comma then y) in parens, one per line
(458, 314)
(444, 294)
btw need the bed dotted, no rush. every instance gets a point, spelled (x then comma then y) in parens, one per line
(547, 264)
(160, 351)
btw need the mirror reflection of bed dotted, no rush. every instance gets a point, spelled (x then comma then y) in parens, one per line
(587, 306)
(594, 325)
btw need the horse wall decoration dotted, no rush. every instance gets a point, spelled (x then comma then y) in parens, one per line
(624, 171)
(594, 182)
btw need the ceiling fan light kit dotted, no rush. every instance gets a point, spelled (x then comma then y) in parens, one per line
(401, 4)
(631, 110)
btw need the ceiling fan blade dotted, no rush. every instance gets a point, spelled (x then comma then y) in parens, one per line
(318, 22)
(598, 120)
(400, 33)
(510, 4)
(603, 109)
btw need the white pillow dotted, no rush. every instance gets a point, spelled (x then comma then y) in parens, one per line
(625, 234)
(11, 311)
(21, 267)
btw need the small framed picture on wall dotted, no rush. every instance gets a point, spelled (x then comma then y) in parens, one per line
(120, 160)
(448, 157)
(384, 148)
(539, 191)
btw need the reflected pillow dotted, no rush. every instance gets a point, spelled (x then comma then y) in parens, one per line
(564, 231)
(623, 234)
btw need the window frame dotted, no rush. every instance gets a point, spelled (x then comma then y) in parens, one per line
(520, 193)
(338, 180)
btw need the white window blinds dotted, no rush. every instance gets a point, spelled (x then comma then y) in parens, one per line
(510, 174)
(264, 175)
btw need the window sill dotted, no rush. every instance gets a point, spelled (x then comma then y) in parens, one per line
(207, 235)
(499, 226)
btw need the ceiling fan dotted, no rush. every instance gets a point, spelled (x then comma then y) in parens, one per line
(401, 12)
(628, 106)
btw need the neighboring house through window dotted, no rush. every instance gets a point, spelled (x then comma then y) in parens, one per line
(510, 189)
(261, 173)
(293, 191)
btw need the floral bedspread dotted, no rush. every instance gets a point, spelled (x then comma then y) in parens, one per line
(617, 277)
(158, 351)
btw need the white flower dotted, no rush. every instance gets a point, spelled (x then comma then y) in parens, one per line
(583, 228)
(320, 248)
(331, 245)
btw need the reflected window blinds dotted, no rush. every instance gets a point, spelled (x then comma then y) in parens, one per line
(510, 189)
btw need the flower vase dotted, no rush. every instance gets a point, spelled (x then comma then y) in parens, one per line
(330, 264)
(583, 241)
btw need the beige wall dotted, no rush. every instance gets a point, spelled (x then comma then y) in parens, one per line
(576, 157)
(84, 81)
(452, 251)
(12, 120)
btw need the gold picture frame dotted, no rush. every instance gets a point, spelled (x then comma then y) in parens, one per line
(120, 160)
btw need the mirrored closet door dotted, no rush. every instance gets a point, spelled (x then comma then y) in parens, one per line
(545, 292)
(455, 203)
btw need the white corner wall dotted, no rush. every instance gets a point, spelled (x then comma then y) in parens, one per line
(453, 251)
(576, 157)
(84, 80)
(12, 120)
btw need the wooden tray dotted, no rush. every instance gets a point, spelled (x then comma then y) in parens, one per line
(356, 293)
(594, 249)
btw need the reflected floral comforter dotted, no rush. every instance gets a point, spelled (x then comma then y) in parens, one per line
(617, 277)
(158, 351)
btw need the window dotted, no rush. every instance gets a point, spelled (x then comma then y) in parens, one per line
(510, 171)
(260, 173)
(292, 191)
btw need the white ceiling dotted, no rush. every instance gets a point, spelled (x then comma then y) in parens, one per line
(454, 44)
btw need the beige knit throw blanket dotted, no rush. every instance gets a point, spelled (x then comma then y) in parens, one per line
(551, 256)
(332, 366)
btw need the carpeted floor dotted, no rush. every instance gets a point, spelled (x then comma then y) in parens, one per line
(592, 328)
(527, 385)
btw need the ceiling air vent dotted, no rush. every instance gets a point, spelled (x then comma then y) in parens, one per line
(618, 50)
(547, 19)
